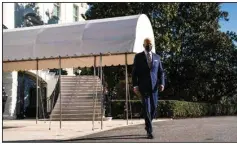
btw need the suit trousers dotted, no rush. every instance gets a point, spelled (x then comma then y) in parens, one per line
(149, 102)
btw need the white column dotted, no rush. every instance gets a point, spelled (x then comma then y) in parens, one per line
(14, 92)
(69, 13)
(9, 15)
(10, 82)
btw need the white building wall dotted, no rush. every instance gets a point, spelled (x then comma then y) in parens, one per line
(67, 11)
(66, 15)
(9, 15)
(43, 7)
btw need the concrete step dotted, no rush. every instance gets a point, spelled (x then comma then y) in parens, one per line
(80, 87)
(81, 82)
(83, 85)
(80, 79)
(75, 112)
(91, 88)
(87, 103)
(80, 100)
(75, 105)
(74, 100)
(76, 116)
(83, 77)
(80, 90)
(78, 94)
(97, 119)
(78, 103)
(82, 109)
(85, 97)
(79, 107)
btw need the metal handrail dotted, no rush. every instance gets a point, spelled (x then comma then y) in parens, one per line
(53, 98)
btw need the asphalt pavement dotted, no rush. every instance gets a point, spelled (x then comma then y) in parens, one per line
(213, 129)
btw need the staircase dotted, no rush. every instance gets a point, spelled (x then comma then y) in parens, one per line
(77, 98)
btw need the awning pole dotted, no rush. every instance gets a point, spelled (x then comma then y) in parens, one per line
(41, 101)
(37, 93)
(93, 119)
(102, 102)
(126, 70)
(129, 101)
(51, 110)
(60, 92)
(98, 114)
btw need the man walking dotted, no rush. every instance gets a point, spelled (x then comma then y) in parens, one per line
(148, 78)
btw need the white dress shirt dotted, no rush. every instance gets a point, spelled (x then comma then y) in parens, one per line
(150, 53)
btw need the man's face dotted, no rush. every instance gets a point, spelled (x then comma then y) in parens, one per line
(147, 45)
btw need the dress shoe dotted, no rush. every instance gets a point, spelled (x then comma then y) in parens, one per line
(150, 136)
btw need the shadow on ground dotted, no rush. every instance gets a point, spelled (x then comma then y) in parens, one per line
(11, 127)
(109, 138)
(32, 141)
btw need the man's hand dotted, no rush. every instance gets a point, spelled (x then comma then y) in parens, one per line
(161, 88)
(136, 91)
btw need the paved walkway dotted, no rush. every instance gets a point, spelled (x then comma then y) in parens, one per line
(212, 129)
(26, 130)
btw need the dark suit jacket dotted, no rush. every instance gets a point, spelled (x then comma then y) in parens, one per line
(145, 78)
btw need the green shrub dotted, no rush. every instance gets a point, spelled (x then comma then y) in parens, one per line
(174, 109)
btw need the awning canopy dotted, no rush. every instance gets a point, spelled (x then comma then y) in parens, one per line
(77, 44)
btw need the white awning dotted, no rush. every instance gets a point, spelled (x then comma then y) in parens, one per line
(76, 43)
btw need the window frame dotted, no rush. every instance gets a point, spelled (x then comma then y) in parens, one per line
(57, 9)
(75, 15)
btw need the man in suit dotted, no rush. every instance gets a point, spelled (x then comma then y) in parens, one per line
(148, 78)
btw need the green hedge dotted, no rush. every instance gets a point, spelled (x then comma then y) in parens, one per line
(175, 109)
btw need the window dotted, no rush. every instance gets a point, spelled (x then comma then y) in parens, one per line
(75, 13)
(57, 10)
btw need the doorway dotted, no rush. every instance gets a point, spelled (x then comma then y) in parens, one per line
(31, 109)
(27, 97)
